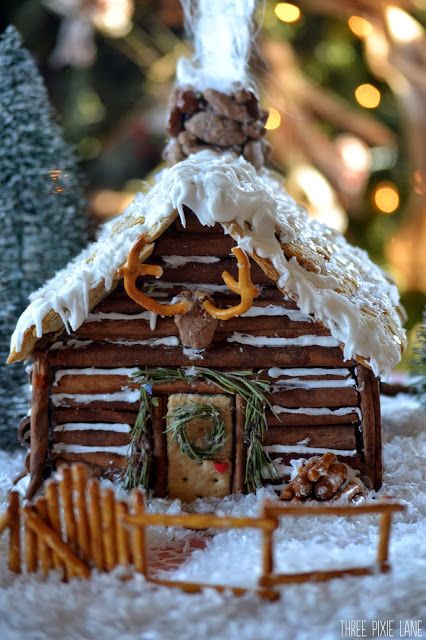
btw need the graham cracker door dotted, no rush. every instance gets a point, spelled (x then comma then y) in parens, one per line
(188, 479)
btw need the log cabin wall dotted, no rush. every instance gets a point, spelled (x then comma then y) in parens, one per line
(94, 399)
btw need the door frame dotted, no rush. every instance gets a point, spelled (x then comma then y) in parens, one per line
(159, 438)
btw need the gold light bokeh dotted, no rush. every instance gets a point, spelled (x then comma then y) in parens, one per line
(367, 96)
(386, 197)
(360, 26)
(274, 119)
(287, 12)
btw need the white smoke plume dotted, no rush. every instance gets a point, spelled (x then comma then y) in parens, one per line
(222, 32)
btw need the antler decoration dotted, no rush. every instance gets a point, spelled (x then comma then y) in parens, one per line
(244, 287)
(133, 268)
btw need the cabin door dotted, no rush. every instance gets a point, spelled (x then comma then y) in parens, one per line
(188, 479)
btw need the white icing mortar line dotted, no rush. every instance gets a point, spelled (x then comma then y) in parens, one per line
(281, 448)
(168, 341)
(318, 411)
(179, 261)
(113, 315)
(61, 447)
(117, 427)
(297, 383)
(276, 310)
(300, 341)
(275, 372)
(92, 371)
(126, 395)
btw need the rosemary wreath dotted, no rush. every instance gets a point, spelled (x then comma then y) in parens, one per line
(214, 439)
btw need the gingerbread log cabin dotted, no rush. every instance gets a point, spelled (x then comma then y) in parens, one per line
(211, 335)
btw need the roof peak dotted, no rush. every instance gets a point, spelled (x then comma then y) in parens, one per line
(333, 281)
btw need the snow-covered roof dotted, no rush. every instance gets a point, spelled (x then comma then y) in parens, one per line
(328, 278)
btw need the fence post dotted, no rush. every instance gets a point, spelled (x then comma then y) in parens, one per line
(123, 555)
(79, 477)
(267, 548)
(383, 548)
(138, 534)
(30, 537)
(44, 551)
(108, 528)
(65, 491)
(51, 490)
(14, 532)
(95, 524)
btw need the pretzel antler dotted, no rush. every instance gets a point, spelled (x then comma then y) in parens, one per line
(244, 287)
(133, 268)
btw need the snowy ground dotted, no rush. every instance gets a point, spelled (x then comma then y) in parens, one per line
(107, 608)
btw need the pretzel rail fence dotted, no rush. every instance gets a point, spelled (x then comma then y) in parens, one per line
(78, 526)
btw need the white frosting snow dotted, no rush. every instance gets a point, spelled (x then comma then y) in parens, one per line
(225, 189)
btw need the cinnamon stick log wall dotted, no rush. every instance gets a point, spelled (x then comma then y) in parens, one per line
(95, 399)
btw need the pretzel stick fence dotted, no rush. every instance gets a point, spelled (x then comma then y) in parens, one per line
(78, 526)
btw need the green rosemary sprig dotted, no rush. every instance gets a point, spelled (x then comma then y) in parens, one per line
(140, 456)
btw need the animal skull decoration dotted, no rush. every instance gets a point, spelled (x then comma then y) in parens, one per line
(133, 268)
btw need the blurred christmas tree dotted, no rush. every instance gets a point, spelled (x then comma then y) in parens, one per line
(42, 208)
(343, 81)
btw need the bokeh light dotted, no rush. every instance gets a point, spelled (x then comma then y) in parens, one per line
(360, 26)
(274, 119)
(386, 197)
(367, 96)
(287, 12)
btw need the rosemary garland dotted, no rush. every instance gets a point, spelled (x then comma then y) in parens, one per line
(214, 439)
(139, 464)
(252, 390)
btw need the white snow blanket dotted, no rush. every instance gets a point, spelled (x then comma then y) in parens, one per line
(109, 609)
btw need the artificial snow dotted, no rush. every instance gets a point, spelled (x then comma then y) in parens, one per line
(108, 608)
